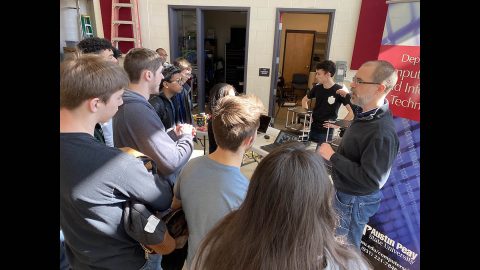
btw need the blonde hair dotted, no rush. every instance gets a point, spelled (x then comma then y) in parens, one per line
(235, 118)
(182, 63)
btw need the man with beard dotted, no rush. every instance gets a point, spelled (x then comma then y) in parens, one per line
(364, 158)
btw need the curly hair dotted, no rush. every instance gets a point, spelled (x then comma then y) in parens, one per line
(94, 45)
(168, 73)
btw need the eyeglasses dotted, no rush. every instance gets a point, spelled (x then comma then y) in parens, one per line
(179, 81)
(359, 81)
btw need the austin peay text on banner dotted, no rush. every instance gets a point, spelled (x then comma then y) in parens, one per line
(391, 239)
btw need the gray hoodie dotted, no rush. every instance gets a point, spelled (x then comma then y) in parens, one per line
(137, 125)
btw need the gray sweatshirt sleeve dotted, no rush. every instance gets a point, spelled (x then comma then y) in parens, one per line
(139, 126)
(143, 186)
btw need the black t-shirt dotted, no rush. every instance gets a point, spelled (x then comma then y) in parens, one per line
(327, 103)
(95, 182)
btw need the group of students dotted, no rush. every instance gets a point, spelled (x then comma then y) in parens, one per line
(97, 180)
(285, 217)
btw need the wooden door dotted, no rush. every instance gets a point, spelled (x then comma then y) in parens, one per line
(297, 53)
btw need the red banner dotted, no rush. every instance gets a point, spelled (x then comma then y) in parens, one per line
(405, 97)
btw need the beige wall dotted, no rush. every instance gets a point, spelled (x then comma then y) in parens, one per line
(154, 30)
(70, 22)
(311, 22)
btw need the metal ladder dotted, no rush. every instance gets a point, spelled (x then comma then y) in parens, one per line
(134, 22)
(87, 28)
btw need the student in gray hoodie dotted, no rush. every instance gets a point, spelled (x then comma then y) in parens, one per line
(137, 125)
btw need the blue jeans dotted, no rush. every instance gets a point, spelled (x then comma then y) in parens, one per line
(153, 262)
(64, 265)
(319, 137)
(354, 212)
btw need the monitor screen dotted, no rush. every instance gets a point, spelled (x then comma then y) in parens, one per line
(264, 122)
(284, 137)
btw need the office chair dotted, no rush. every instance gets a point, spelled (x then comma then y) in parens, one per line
(300, 81)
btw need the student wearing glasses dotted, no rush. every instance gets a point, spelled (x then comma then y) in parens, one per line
(327, 101)
(365, 156)
(163, 103)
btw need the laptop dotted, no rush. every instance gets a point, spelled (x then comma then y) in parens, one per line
(264, 123)
(282, 137)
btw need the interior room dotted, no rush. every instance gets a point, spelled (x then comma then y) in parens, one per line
(359, 146)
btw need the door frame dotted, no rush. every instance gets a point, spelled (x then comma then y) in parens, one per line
(173, 40)
(276, 45)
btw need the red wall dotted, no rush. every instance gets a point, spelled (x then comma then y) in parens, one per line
(123, 30)
(371, 22)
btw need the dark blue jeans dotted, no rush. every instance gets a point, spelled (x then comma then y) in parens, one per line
(318, 137)
(354, 212)
(153, 262)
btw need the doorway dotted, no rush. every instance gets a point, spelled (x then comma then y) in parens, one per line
(302, 39)
(297, 56)
(225, 35)
(215, 41)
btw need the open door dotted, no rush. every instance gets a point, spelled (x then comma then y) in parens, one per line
(315, 23)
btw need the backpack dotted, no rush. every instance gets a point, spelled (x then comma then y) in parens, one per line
(174, 219)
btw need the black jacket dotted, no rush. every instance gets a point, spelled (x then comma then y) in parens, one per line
(366, 154)
(165, 109)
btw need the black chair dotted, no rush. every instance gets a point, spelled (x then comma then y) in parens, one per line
(300, 81)
(280, 95)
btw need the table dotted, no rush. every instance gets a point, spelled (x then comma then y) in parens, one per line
(204, 134)
(273, 133)
(260, 140)
(295, 114)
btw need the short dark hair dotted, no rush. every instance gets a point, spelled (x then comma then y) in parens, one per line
(327, 66)
(94, 45)
(116, 53)
(384, 73)
(168, 73)
(217, 92)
